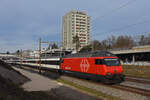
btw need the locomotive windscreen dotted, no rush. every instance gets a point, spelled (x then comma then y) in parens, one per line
(112, 62)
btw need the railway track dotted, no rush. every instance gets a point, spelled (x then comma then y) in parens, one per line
(143, 92)
(138, 80)
(140, 91)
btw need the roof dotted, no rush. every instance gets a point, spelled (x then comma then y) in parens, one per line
(91, 54)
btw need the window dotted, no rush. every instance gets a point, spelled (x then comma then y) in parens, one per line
(112, 62)
(99, 61)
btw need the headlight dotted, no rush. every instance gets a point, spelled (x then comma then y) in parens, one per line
(108, 73)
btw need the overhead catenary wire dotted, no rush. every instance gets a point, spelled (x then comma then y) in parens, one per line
(139, 33)
(131, 25)
(127, 26)
(116, 9)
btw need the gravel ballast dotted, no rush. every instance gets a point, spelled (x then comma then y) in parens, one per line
(107, 90)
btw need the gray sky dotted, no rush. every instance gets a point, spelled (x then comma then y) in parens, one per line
(23, 22)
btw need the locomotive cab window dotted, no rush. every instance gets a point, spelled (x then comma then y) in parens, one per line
(99, 61)
(112, 62)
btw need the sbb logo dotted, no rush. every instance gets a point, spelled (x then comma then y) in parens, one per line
(84, 65)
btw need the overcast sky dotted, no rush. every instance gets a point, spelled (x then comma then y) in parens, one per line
(23, 22)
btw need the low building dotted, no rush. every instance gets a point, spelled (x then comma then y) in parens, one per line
(30, 54)
(55, 53)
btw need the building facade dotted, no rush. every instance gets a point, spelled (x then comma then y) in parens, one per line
(75, 23)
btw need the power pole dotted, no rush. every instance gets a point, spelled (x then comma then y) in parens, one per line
(40, 52)
(40, 55)
(21, 56)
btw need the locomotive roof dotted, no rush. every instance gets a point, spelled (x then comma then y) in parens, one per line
(91, 54)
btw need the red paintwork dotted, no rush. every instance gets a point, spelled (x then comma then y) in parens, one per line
(74, 64)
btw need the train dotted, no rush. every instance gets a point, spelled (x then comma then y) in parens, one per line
(99, 65)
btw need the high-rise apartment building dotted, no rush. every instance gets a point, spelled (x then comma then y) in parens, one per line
(75, 23)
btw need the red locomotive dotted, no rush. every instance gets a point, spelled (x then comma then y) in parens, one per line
(102, 65)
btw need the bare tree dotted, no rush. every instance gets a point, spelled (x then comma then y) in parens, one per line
(18, 52)
(105, 45)
(146, 40)
(142, 42)
(54, 46)
(76, 41)
(124, 42)
(111, 42)
(96, 45)
(7, 52)
(87, 48)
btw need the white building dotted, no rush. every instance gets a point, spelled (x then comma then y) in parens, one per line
(30, 54)
(75, 23)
